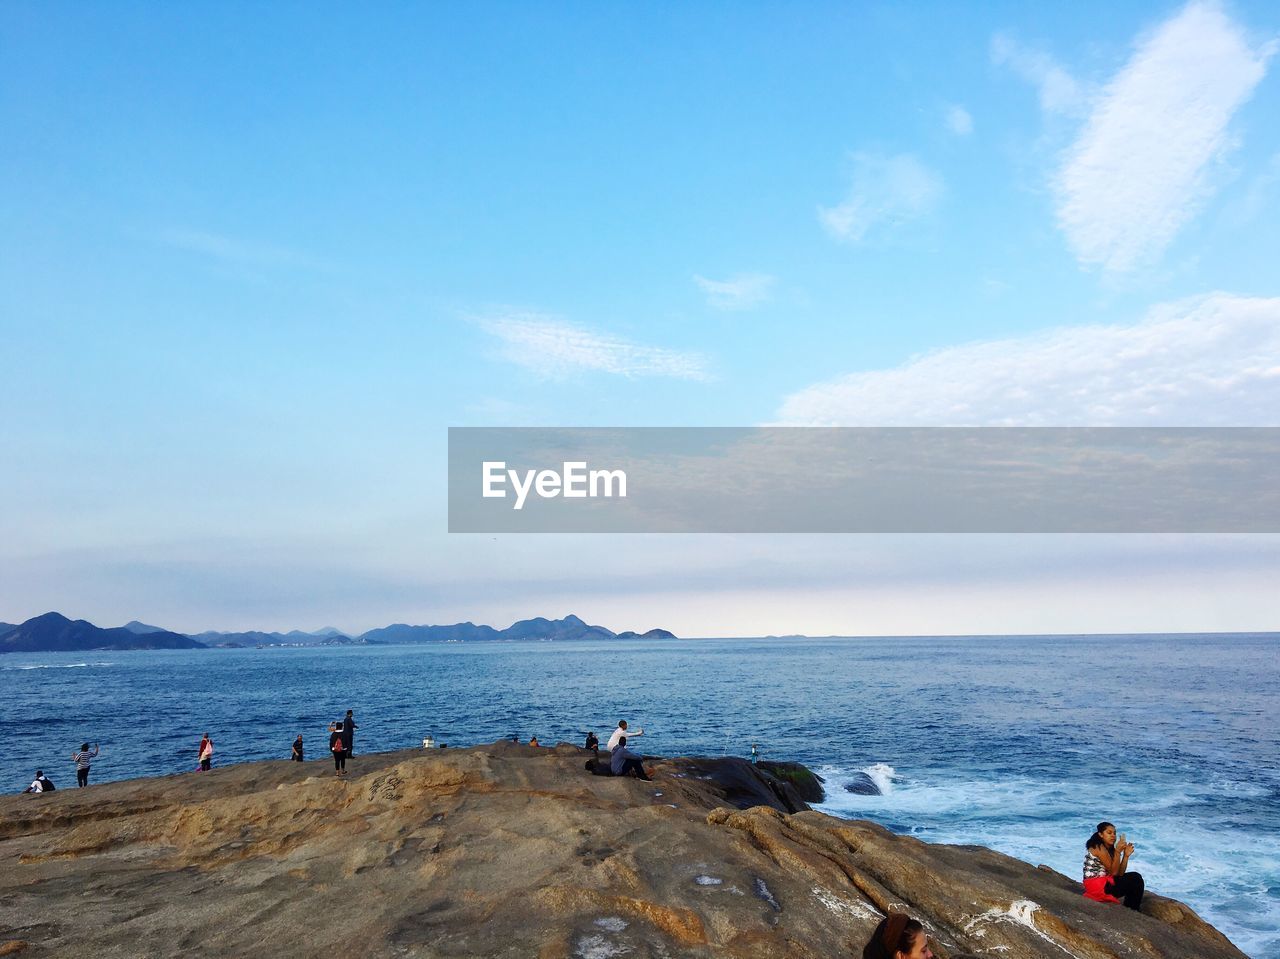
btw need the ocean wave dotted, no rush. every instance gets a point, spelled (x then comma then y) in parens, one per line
(55, 666)
(1229, 874)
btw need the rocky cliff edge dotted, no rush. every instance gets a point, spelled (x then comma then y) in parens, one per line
(509, 850)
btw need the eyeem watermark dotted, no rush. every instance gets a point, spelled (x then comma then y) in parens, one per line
(575, 481)
(864, 480)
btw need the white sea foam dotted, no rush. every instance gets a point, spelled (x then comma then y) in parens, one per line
(1222, 873)
(56, 666)
(882, 774)
(708, 881)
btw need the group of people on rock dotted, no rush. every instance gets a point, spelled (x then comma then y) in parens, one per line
(1106, 859)
(622, 761)
(342, 737)
(341, 745)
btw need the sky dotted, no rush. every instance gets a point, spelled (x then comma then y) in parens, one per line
(255, 261)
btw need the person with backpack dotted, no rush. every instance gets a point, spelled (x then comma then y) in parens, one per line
(338, 748)
(82, 758)
(41, 784)
(205, 752)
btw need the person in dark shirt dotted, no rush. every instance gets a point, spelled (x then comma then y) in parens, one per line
(623, 761)
(297, 749)
(593, 742)
(349, 734)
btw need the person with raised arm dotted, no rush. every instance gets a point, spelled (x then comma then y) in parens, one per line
(1106, 869)
(622, 731)
(83, 758)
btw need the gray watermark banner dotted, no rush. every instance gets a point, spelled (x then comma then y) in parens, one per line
(864, 480)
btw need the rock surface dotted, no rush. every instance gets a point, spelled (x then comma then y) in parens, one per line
(507, 851)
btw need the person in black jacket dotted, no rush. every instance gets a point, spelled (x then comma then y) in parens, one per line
(349, 734)
(297, 749)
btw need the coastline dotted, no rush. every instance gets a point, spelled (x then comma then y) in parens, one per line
(510, 850)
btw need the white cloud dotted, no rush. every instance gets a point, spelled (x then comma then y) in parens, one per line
(1137, 172)
(551, 347)
(886, 191)
(1212, 361)
(740, 292)
(1059, 90)
(959, 121)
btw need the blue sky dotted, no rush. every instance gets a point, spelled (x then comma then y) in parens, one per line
(254, 262)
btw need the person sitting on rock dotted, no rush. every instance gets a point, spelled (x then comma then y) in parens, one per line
(534, 741)
(622, 731)
(593, 742)
(623, 761)
(41, 784)
(898, 937)
(1106, 869)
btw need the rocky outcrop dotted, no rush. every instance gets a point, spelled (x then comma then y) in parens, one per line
(514, 851)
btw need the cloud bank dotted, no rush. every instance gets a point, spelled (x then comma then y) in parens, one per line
(1137, 173)
(1212, 361)
(553, 348)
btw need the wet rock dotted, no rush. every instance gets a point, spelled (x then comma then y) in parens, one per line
(862, 785)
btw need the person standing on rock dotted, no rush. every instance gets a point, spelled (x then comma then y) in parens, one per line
(623, 761)
(622, 731)
(205, 753)
(297, 749)
(1106, 869)
(898, 937)
(349, 734)
(338, 749)
(82, 758)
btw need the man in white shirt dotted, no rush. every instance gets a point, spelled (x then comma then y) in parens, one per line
(622, 731)
(39, 784)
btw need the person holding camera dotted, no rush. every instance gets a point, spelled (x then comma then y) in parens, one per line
(1106, 869)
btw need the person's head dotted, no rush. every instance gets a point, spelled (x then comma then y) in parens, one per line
(39, 774)
(622, 740)
(348, 712)
(206, 735)
(1104, 835)
(898, 937)
(622, 724)
(84, 747)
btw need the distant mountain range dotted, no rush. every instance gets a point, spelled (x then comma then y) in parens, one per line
(54, 632)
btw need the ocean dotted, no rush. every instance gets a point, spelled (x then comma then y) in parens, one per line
(1020, 743)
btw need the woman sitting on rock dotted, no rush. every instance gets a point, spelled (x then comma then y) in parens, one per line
(898, 937)
(1106, 869)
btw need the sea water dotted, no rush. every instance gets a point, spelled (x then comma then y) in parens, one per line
(1018, 743)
